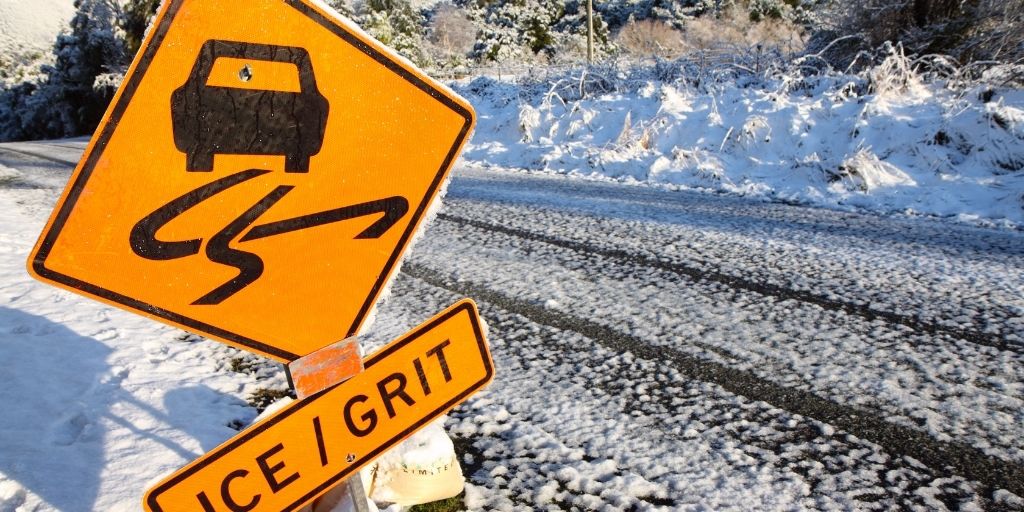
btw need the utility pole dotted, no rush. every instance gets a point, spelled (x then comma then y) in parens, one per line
(590, 32)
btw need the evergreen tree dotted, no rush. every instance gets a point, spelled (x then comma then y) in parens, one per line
(93, 47)
(15, 122)
(673, 12)
(70, 100)
(766, 9)
(138, 16)
(397, 24)
(343, 7)
(502, 35)
(522, 30)
(570, 29)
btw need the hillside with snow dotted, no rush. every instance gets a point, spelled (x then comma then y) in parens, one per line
(31, 25)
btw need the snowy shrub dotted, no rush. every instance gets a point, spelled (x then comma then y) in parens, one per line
(528, 31)
(864, 172)
(15, 118)
(755, 130)
(106, 84)
(22, 67)
(703, 165)
(894, 75)
(397, 24)
(759, 10)
(967, 30)
(579, 122)
(344, 8)
(1006, 137)
(137, 17)
(618, 14)
(997, 33)
(637, 137)
(529, 120)
(733, 30)
(888, 138)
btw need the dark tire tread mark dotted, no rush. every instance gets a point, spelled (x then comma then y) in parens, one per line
(965, 460)
(695, 274)
(793, 448)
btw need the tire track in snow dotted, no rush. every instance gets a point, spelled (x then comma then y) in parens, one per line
(670, 409)
(36, 154)
(965, 460)
(515, 452)
(696, 274)
(77, 147)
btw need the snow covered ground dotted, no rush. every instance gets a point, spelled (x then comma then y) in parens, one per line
(885, 143)
(97, 402)
(656, 350)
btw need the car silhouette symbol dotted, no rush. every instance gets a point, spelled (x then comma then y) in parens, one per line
(209, 120)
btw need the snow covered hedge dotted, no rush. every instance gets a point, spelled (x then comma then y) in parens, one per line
(885, 140)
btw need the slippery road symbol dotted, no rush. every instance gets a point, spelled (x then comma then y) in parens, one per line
(216, 119)
(145, 243)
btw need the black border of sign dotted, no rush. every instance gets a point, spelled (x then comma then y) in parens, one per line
(463, 306)
(50, 238)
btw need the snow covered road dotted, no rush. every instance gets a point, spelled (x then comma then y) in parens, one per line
(656, 350)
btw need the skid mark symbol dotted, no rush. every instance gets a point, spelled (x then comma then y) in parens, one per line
(144, 242)
(143, 236)
(250, 266)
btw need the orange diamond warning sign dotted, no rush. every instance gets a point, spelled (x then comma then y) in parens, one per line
(257, 177)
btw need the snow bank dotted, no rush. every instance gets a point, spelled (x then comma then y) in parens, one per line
(839, 141)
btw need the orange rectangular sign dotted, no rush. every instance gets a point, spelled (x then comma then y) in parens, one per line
(291, 458)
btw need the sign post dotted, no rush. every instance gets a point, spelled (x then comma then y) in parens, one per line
(316, 372)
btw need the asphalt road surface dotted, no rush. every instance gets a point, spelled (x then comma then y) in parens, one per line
(665, 350)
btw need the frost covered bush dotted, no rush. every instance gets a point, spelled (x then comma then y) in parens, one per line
(650, 38)
(895, 75)
(529, 31)
(135, 20)
(966, 30)
(21, 67)
(397, 24)
(733, 30)
(864, 171)
(451, 34)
